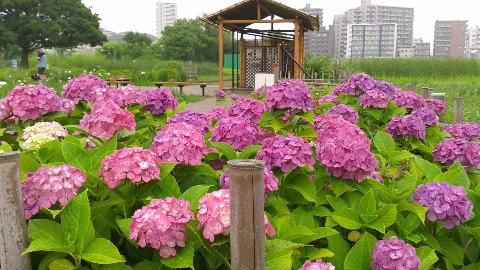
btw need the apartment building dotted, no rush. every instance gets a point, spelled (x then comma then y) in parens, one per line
(474, 42)
(166, 16)
(316, 42)
(450, 38)
(420, 48)
(371, 40)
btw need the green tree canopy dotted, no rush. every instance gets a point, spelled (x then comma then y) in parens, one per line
(137, 38)
(51, 23)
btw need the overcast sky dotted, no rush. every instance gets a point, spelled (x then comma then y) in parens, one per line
(140, 15)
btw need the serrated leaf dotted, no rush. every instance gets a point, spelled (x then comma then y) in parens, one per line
(474, 266)
(307, 133)
(429, 169)
(183, 259)
(386, 217)
(367, 207)
(249, 151)
(307, 116)
(339, 187)
(347, 218)
(193, 195)
(280, 262)
(415, 208)
(336, 203)
(170, 186)
(101, 251)
(225, 149)
(340, 248)
(456, 175)
(453, 251)
(316, 253)
(427, 257)
(61, 264)
(304, 186)
(75, 221)
(166, 169)
(76, 156)
(384, 142)
(123, 225)
(279, 245)
(27, 164)
(358, 258)
(395, 157)
(99, 154)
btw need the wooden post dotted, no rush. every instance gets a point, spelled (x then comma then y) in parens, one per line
(442, 97)
(458, 110)
(247, 224)
(243, 53)
(425, 92)
(296, 50)
(13, 227)
(220, 52)
(412, 87)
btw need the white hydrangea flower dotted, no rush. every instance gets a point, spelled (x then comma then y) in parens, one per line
(40, 133)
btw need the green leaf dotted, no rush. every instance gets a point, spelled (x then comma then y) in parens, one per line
(452, 250)
(307, 133)
(101, 251)
(307, 116)
(49, 258)
(76, 221)
(347, 218)
(427, 257)
(304, 186)
(415, 208)
(116, 266)
(166, 169)
(193, 195)
(386, 217)
(429, 169)
(396, 157)
(367, 207)
(124, 226)
(225, 149)
(336, 203)
(76, 156)
(315, 253)
(61, 264)
(249, 151)
(474, 266)
(384, 142)
(280, 246)
(358, 258)
(183, 259)
(170, 186)
(456, 175)
(47, 235)
(279, 262)
(340, 186)
(99, 154)
(27, 164)
(51, 152)
(340, 248)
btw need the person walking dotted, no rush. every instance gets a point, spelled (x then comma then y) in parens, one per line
(41, 62)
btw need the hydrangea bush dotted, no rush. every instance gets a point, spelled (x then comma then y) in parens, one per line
(140, 183)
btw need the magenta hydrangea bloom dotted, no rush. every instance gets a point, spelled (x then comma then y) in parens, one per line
(361, 81)
(445, 202)
(468, 131)
(160, 100)
(179, 142)
(317, 265)
(84, 88)
(344, 88)
(162, 225)
(374, 99)
(394, 254)
(106, 118)
(330, 98)
(135, 164)
(5, 110)
(286, 153)
(220, 94)
(410, 126)
(292, 95)
(438, 106)
(261, 91)
(235, 96)
(270, 181)
(67, 106)
(329, 125)
(428, 116)
(214, 215)
(385, 87)
(264, 134)
(29, 102)
(237, 132)
(216, 113)
(112, 94)
(346, 112)
(133, 95)
(248, 108)
(196, 119)
(47, 185)
(454, 150)
(408, 99)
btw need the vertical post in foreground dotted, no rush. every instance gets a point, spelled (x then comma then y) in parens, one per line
(442, 97)
(13, 227)
(220, 53)
(412, 87)
(458, 110)
(247, 224)
(425, 92)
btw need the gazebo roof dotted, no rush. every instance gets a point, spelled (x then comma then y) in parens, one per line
(247, 10)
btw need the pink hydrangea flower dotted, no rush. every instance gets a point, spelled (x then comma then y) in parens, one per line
(5, 110)
(162, 225)
(436, 105)
(214, 215)
(344, 88)
(264, 134)
(29, 102)
(468, 131)
(374, 99)
(49, 185)
(270, 181)
(292, 95)
(346, 112)
(385, 87)
(393, 254)
(427, 115)
(361, 81)
(317, 265)
(235, 96)
(237, 132)
(329, 125)
(112, 94)
(220, 94)
(160, 100)
(106, 118)
(135, 164)
(330, 98)
(196, 119)
(248, 108)
(409, 126)
(179, 142)
(134, 95)
(454, 150)
(84, 88)
(408, 99)
(286, 153)
(216, 113)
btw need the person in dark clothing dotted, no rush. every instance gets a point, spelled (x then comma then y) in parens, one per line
(41, 62)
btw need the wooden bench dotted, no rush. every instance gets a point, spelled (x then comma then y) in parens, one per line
(183, 84)
(118, 81)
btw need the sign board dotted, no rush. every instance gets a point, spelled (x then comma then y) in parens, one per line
(14, 64)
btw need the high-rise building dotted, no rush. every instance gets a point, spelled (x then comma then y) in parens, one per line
(474, 42)
(421, 48)
(373, 14)
(450, 38)
(316, 42)
(166, 16)
(371, 40)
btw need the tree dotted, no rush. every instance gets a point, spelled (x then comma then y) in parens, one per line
(137, 38)
(51, 23)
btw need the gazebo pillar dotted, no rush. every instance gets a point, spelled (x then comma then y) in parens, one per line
(220, 52)
(296, 51)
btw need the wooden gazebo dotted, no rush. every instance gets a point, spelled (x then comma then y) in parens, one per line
(237, 19)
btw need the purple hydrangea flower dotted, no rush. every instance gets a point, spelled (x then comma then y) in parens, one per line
(235, 96)
(84, 88)
(330, 98)
(408, 99)
(428, 116)
(410, 126)
(106, 118)
(344, 88)
(385, 87)
(162, 225)
(196, 119)
(133, 95)
(289, 94)
(436, 105)
(361, 81)
(329, 125)
(445, 202)
(454, 150)
(270, 181)
(286, 153)
(179, 142)
(237, 132)
(248, 108)
(216, 113)
(374, 99)
(468, 131)
(346, 112)
(220, 94)
(160, 100)
(393, 254)
(47, 185)
(261, 91)
(317, 265)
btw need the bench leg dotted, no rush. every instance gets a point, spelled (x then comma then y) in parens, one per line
(203, 90)
(181, 89)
